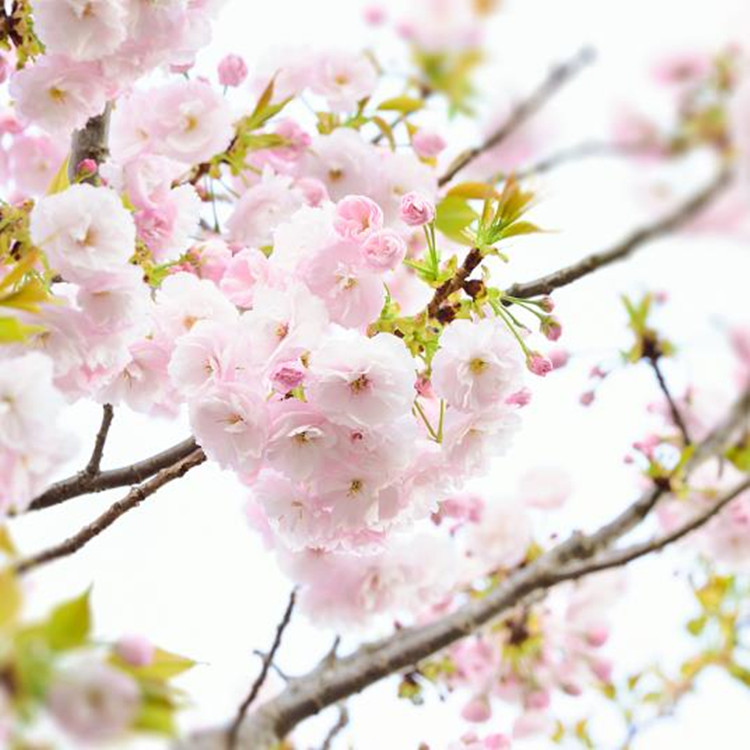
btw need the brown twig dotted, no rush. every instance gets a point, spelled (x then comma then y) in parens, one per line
(132, 500)
(456, 282)
(680, 216)
(673, 409)
(341, 723)
(84, 483)
(92, 468)
(555, 80)
(234, 729)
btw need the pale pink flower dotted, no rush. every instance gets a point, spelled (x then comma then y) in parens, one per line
(416, 210)
(230, 423)
(401, 173)
(344, 79)
(205, 356)
(353, 294)
(212, 258)
(57, 94)
(383, 251)
(243, 272)
(502, 537)
(307, 232)
(183, 300)
(232, 70)
(427, 143)
(262, 208)
(33, 161)
(477, 366)
(357, 217)
(184, 120)
(94, 702)
(81, 29)
(86, 233)
(477, 710)
(361, 381)
(313, 190)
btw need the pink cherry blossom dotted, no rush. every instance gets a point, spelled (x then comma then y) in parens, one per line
(246, 269)
(478, 365)
(416, 210)
(86, 233)
(383, 251)
(343, 79)
(360, 381)
(94, 702)
(427, 143)
(357, 217)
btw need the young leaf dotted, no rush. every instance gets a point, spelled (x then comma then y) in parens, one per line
(69, 624)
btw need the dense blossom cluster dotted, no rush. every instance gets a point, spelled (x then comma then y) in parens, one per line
(307, 291)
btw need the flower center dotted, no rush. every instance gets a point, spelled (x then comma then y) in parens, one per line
(478, 366)
(362, 383)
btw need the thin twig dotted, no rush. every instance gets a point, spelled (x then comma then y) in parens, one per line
(132, 500)
(684, 213)
(92, 468)
(471, 261)
(234, 729)
(621, 557)
(555, 80)
(673, 408)
(341, 723)
(84, 483)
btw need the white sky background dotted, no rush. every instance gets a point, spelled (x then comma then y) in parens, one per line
(185, 570)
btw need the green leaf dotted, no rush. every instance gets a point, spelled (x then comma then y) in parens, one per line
(13, 331)
(454, 216)
(519, 228)
(404, 104)
(386, 130)
(32, 294)
(10, 599)
(739, 455)
(696, 625)
(60, 181)
(164, 666)
(157, 717)
(474, 191)
(6, 543)
(69, 625)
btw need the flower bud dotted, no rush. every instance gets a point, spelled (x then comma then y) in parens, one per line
(428, 144)
(232, 71)
(416, 210)
(551, 328)
(135, 650)
(539, 364)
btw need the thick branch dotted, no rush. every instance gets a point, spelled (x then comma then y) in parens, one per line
(84, 483)
(337, 678)
(556, 79)
(263, 674)
(672, 221)
(132, 500)
(90, 143)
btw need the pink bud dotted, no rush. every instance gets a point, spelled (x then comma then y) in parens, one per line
(547, 304)
(375, 15)
(135, 650)
(539, 364)
(597, 636)
(477, 710)
(519, 398)
(87, 168)
(537, 700)
(587, 398)
(313, 190)
(180, 69)
(287, 377)
(497, 742)
(603, 670)
(559, 358)
(416, 210)
(232, 71)
(551, 328)
(428, 144)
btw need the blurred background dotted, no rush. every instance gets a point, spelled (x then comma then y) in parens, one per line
(185, 568)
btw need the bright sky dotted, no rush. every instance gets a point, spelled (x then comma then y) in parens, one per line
(184, 568)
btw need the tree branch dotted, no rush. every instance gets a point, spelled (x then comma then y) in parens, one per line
(132, 500)
(672, 221)
(90, 143)
(84, 483)
(557, 78)
(341, 724)
(263, 674)
(340, 677)
(92, 468)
